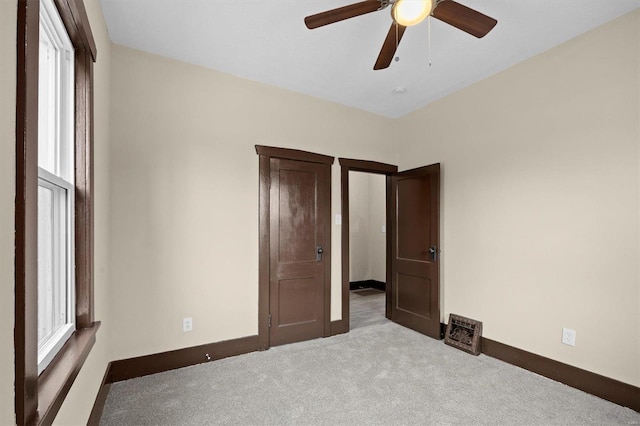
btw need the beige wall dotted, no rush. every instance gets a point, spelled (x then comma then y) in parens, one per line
(367, 214)
(540, 199)
(378, 209)
(359, 227)
(79, 402)
(8, 14)
(184, 194)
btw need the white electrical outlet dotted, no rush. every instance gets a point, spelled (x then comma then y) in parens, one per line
(187, 324)
(568, 336)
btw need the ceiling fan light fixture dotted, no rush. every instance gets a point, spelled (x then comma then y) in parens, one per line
(411, 12)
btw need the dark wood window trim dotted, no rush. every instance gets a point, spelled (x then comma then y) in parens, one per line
(38, 399)
(265, 153)
(54, 383)
(347, 165)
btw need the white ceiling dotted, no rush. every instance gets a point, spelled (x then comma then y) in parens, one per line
(267, 41)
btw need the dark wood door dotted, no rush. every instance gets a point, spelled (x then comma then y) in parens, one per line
(415, 202)
(299, 221)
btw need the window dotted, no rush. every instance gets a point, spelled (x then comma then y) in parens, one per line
(54, 204)
(56, 316)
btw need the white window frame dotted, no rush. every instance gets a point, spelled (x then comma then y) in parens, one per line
(56, 172)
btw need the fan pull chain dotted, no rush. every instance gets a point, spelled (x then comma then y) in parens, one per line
(397, 58)
(429, 37)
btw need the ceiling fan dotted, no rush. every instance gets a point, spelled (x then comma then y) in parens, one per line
(406, 13)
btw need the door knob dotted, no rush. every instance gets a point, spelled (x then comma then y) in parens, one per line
(433, 251)
(319, 252)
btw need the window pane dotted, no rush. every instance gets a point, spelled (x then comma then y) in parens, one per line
(46, 274)
(47, 103)
(55, 95)
(61, 257)
(67, 117)
(53, 259)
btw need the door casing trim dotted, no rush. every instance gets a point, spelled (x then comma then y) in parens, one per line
(265, 154)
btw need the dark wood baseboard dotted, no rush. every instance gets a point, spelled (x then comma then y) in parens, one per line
(379, 285)
(101, 399)
(130, 368)
(603, 387)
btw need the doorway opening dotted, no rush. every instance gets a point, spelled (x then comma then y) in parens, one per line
(412, 245)
(367, 249)
(365, 309)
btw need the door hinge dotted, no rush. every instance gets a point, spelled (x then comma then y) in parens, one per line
(269, 320)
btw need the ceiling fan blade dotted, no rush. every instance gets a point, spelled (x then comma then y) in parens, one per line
(389, 47)
(464, 18)
(341, 13)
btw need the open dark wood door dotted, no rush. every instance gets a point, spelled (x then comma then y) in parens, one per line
(415, 207)
(299, 239)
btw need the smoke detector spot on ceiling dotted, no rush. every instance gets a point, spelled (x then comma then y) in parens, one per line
(400, 90)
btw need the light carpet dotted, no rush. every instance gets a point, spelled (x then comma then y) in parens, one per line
(383, 374)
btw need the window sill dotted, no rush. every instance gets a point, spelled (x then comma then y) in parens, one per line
(56, 380)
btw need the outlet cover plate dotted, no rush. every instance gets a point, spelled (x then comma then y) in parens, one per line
(187, 324)
(568, 337)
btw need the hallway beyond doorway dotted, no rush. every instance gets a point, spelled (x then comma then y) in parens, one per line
(367, 307)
